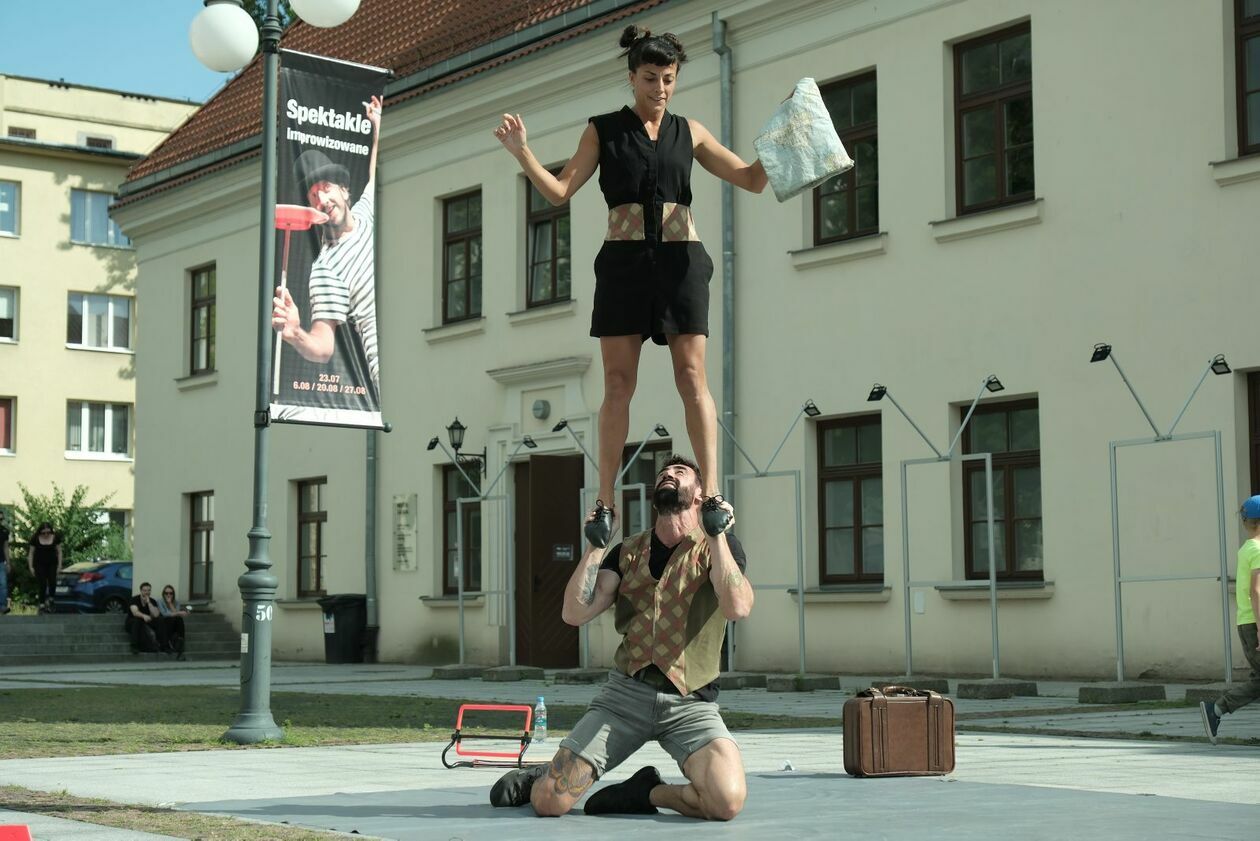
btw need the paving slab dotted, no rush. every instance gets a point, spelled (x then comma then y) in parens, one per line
(508, 674)
(996, 687)
(48, 828)
(1121, 692)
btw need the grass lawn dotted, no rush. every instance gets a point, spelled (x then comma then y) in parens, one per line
(125, 719)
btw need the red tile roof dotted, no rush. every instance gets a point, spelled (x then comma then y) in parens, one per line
(406, 37)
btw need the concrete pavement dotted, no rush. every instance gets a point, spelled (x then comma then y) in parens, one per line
(1035, 786)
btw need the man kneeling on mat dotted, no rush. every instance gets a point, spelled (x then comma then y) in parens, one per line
(674, 588)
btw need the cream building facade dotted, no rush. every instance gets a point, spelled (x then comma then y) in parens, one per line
(68, 308)
(1033, 177)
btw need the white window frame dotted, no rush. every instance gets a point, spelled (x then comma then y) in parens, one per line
(112, 231)
(10, 448)
(17, 211)
(111, 300)
(85, 422)
(85, 137)
(13, 290)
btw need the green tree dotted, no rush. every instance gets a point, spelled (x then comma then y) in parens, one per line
(83, 527)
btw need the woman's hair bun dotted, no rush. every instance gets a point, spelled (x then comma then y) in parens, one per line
(631, 34)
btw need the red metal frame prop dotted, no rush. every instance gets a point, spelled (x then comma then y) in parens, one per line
(496, 759)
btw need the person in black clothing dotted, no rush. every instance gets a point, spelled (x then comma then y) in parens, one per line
(144, 622)
(652, 273)
(44, 560)
(5, 568)
(172, 622)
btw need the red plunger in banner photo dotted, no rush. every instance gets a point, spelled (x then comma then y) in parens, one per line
(290, 218)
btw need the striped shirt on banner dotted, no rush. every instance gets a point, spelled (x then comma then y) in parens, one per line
(343, 281)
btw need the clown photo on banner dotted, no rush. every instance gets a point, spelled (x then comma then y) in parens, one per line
(327, 362)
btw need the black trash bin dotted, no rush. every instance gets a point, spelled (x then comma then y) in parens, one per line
(345, 618)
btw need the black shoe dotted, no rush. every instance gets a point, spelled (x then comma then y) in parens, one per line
(599, 529)
(513, 788)
(1211, 721)
(714, 517)
(179, 656)
(633, 797)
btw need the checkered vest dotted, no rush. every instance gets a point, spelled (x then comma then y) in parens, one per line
(674, 623)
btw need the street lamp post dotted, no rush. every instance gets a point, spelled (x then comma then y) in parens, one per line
(223, 35)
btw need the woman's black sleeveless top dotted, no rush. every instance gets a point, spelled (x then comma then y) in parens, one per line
(634, 169)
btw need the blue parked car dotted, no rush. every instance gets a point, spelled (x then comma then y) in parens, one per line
(93, 587)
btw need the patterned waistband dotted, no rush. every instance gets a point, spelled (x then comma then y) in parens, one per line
(626, 222)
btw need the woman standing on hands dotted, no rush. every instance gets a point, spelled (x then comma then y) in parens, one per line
(652, 273)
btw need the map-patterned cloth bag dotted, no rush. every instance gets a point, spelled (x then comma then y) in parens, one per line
(799, 147)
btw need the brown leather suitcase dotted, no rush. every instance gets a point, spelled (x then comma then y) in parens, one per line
(898, 732)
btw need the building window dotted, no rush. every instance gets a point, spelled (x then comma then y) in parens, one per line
(311, 518)
(1011, 432)
(461, 260)
(120, 518)
(200, 544)
(89, 220)
(22, 133)
(1253, 428)
(10, 207)
(550, 272)
(8, 314)
(454, 487)
(850, 501)
(633, 518)
(847, 205)
(993, 119)
(6, 424)
(1247, 53)
(98, 429)
(98, 321)
(202, 320)
(98, 142)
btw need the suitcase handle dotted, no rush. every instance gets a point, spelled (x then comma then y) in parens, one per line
(896, 692)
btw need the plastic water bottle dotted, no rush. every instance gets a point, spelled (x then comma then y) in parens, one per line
(540, 721)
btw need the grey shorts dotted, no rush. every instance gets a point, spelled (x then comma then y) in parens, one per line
(626, 714)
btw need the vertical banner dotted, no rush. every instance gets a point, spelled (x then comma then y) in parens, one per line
(327, 363)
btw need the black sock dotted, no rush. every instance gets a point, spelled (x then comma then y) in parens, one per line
(632, 797)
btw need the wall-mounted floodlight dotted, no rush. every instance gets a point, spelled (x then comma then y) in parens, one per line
(560, 426)
(433, 442)
(877, 393)
(1219, 365)
(529, 442)
(810, 409)
(660, 430)
(992, 383)
(1101, 351)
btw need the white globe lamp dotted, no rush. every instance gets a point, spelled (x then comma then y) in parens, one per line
(223, 36)
(324, 12)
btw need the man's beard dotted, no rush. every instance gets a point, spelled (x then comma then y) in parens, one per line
(666, 500)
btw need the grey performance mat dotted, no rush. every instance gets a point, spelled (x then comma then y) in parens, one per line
(780, 805)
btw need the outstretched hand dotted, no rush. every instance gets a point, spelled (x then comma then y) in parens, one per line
(511, 133)
(372, 110)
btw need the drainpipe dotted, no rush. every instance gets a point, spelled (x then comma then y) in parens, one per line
(728, 253)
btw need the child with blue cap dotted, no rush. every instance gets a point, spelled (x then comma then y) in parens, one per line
(1247, 589)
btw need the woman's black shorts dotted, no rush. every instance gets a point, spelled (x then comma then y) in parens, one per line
(651, 290)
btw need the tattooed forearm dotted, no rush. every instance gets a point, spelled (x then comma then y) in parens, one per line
(570, 775)
(733, 580)
(587, 593)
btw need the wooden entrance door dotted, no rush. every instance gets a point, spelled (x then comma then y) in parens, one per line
(548, 547)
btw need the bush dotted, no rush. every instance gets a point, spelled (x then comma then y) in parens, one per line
(85, 531)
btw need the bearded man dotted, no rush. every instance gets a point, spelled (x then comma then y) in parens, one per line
(674, 589)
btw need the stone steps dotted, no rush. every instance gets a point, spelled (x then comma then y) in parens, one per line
(91, 638)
